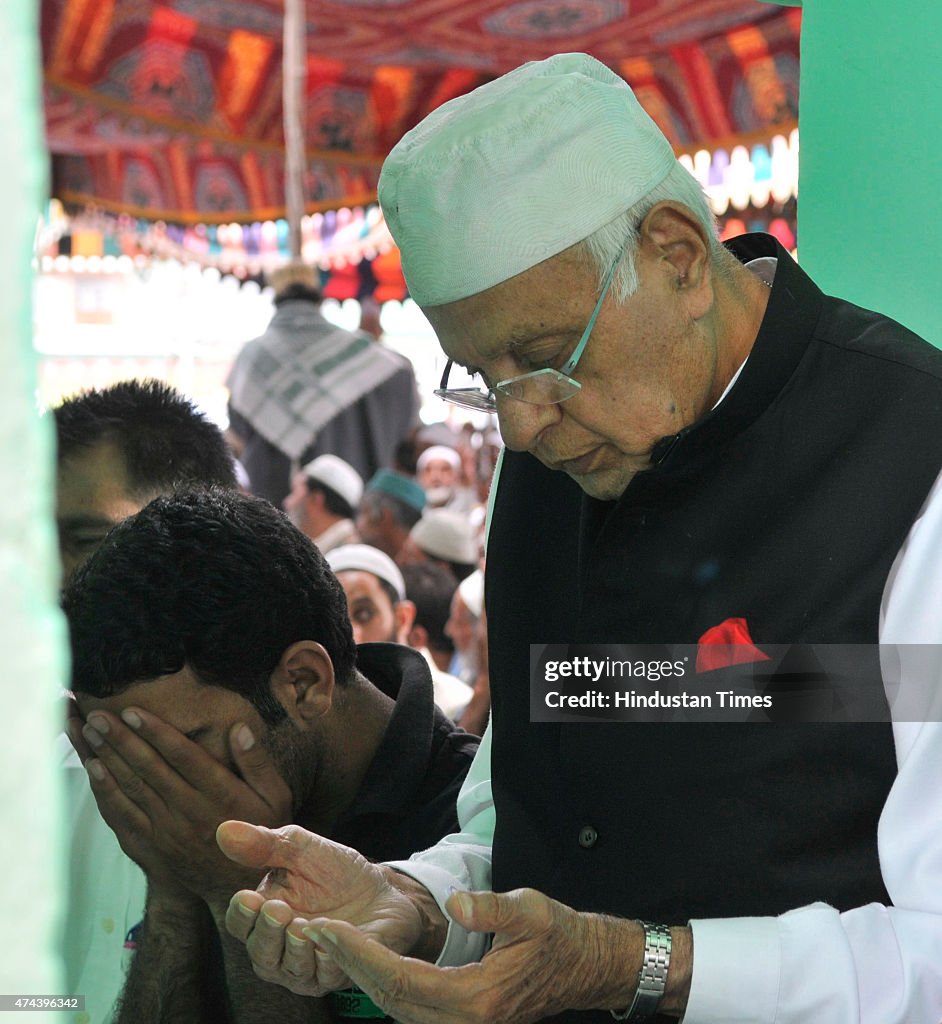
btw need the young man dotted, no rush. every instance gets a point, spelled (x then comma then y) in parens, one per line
(216, 672)
(380, 609)
(118, 447)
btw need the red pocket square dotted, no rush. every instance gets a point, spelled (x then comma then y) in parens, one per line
(727, 644)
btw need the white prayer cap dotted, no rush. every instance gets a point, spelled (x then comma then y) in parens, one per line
(498, 180)
(364, 558)
(446, 535)
(471, 589)
(442, 454)
(338, 475)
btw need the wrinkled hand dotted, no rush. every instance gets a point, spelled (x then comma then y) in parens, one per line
(311, 877)
(545, 958)
(164, 796)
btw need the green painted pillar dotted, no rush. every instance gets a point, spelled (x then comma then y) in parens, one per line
(870, 184)
(32, 633)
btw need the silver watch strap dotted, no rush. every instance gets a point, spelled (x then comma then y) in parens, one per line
(652, 978)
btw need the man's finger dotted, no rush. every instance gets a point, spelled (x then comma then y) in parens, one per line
(298, 959)
(266, 942)
(99, 733)
(73, 729)
(121, 814)
(405, 988)
(141, 771)
(253, 846)
(257, 767)
(242, 912)
(172, 762)
(256, 846)
(520, 910)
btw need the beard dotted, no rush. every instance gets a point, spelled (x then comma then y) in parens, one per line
(295, 756)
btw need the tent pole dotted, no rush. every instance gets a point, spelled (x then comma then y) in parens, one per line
(293, 73)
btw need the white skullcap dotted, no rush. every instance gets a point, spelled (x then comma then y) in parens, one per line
(363, 558)
(440, 452)
(498, 180)
(338, 475)
(471, 589)
(446, 535)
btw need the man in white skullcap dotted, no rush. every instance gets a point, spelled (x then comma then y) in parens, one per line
(445, 538)
(381, 612)
(438, 471)
(323, 501)
(702, 449)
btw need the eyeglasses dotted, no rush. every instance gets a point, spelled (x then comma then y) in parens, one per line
(538, 387)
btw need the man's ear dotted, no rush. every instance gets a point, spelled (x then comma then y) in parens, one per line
(418, 637)
(303, 682)
(672, 236)
(404, 613)
(318, 500)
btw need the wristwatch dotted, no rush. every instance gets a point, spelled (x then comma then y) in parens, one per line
(652, 978)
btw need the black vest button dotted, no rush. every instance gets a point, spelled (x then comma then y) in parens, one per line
(587, 837)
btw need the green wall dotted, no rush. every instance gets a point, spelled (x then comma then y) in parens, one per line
(870, 183)
(32, 633)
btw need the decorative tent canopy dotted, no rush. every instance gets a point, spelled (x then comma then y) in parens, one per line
(173, 110)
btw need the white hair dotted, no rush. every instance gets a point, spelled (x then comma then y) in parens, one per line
(604, 244)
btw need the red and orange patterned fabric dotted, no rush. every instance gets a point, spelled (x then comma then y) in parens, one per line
(173, 110)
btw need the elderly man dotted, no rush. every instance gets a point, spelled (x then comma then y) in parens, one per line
(213, 664)
(699, 440)
(392, 504)
(443, 538)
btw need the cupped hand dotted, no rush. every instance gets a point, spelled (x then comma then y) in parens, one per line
(311, 877)
(545, 958)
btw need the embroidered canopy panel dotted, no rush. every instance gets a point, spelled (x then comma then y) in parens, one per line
(173, 110)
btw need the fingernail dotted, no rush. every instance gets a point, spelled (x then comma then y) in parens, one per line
(131, 718)
(93, 736)
(95, 769)
(295, 941)
(243, 909)
(98, 722)
(329, 935)
(465, 903)
(313, 934)
(244, 738)
(274, 922)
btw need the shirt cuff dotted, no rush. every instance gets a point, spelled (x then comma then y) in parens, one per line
(736, 971)
(461, 946)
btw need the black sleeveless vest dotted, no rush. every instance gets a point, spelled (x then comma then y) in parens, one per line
(785, 506)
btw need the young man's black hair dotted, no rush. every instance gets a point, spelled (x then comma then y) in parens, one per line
(167, 443)
(219, 581)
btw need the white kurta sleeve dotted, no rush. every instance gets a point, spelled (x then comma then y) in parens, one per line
(872, 964)
(461, 861)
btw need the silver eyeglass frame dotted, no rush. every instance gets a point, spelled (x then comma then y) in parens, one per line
(486, 401)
